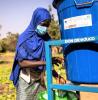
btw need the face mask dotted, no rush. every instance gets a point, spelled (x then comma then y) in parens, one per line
(41, 30)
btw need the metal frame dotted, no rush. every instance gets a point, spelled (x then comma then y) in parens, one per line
(50, 85)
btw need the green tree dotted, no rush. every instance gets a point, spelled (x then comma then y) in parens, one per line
(3, 45)
(9, 43)
(54, 26)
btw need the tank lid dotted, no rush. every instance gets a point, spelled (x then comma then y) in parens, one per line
(56, 3)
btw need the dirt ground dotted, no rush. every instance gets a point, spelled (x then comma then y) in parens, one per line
(89, 95)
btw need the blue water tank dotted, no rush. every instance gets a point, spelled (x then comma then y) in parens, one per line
(79, 19)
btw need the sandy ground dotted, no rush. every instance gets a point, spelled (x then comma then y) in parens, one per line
(89, 95)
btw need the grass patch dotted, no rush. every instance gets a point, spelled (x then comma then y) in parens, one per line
(7, 90)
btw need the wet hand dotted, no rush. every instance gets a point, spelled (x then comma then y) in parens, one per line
(60, 80)
(57, 60)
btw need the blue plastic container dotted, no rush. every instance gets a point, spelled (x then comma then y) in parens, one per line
(79, 19)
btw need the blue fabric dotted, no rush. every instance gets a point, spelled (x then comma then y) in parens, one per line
(30, 45)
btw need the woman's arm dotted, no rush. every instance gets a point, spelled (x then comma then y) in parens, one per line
(59, 79)
(28, 63)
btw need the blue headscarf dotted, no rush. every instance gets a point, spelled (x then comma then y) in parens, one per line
(39, 15)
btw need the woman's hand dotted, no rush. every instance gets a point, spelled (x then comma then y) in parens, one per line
(60, 80)
(57, 60)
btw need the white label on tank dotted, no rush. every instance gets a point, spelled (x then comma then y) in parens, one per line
(78, 40)
(78, 21)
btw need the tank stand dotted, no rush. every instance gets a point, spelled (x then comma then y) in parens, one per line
(69, 87)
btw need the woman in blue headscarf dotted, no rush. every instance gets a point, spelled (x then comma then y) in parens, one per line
(29, 62)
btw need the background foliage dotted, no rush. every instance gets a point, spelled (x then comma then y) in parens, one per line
(9, 42)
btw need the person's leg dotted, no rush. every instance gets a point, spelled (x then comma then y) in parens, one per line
(39, 89)
(27, 91)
